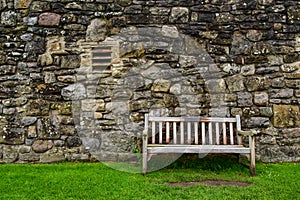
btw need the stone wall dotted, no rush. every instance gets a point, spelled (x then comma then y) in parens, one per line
(77, 76)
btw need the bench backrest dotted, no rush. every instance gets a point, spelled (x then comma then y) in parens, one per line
(193, 130)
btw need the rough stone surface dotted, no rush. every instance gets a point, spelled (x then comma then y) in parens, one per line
(261, 98)
(8, 18)
(49, 19)
(22, 3)
(97, 30)
(77, 77)
(76, 91)
(286, 116)
(179, 15)
(41, 146)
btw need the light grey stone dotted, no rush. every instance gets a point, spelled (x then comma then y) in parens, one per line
(170, 31)
(8, 18)
(179, 15)
(75, 91)
(97, 30)
(26, 121)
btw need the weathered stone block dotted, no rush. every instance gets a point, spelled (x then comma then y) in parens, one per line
(37, 107)
(67, 79)
(41, 146)
(10, 135)
(256, 122)
(256, 83)
(70, 62)
(45, 59)
(8, 18)
(281, 93)
(50, 77)
(75, 91)
(240, 45)
(36, 46)
(278, 82)
(3, 4)
(10, 154)
(67, 130)
(266, 111)
(216, 85)
(49, 19)
(117, 107)
(26, 121)
(293, 84)
(24, 149)
(32, 133)
(261, 98)
(179, 15)
(73, 141)
(291, 67)
(52, 156)
(286, 116)
(245, 99)
(265, 2)
(275, 60)
(170, 31)
(291, 133)
(254, 35)
(235, 83)
(48, 128)
(38, 6)
(65, 108)
(161, 85)
(248, 70)
(293, 14)
(22, 3)
(29, 157)
(73, 6)
(7, 70)
(97, 30)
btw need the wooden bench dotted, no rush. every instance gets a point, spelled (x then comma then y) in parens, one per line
(201, 135)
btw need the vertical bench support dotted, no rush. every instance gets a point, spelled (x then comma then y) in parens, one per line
(252, 156)
(145, 142)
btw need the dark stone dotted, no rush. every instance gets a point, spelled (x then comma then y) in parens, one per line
(256, 122)
(70, 62)
(255, 83)
(7, 70)
(37, 46)
(11, 135)
(245, 99)
(73, 141)
(37, 107)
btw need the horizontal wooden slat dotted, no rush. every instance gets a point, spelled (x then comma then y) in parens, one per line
(174, 119)
(191, 119)
(213, 119)
(198, 149)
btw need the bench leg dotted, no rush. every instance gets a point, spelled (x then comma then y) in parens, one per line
(145, 160)
(252, 158)
(145, 151)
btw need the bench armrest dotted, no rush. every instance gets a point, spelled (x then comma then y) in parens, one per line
(247, 133)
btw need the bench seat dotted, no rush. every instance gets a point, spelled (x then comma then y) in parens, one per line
(158, 148)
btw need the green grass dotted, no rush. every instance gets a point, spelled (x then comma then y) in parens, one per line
(97, 181)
